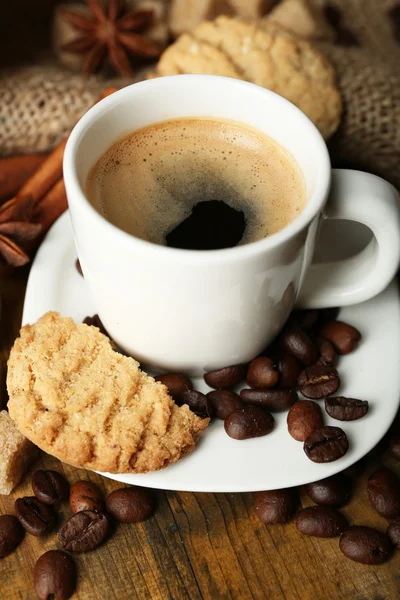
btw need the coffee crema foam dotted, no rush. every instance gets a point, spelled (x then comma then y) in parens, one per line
(149, 181)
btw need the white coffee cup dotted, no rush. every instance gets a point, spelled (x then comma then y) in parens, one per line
(194, 311)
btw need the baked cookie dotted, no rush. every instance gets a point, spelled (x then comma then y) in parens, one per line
(265, 54)
(79, 400)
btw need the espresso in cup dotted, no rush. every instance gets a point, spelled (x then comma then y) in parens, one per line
(198, 184)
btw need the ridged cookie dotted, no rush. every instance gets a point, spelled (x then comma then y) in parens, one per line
(265, 54)
(76, 398)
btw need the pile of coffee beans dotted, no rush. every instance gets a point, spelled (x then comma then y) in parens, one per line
(303, 359)
(85, 530)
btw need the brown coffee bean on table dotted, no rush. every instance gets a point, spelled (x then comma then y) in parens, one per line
(273, 400)
(331, 491)
(297, 343)
(383, 489)
(249, 422)
(327, 353)
(365, 545)
(84, 531)
(85, 495)
(130, 505)
(50, 487)
(326, 444)
(344, 337)
(11, 534)
(55, 576)
(197, 402)
(224, 402)
(318, 381)
(346, 409)
(393, 531)
(303, 418)
(320, 521)
(276, 506)
(37, 518)
(226, 377)
(176, 383)
(289, 369)
(262, 373)
(394, 446)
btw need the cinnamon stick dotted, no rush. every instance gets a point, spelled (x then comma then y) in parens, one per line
(15, 171)
(51, 206)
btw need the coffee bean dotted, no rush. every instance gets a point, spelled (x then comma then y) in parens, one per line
(55, 576)
(197, 402)
(346, 409)
(297, 343)
(303, 418)
(84, 531)
(50, 487)
(130, 505)
(393, 531)
(327, 353)
(85, 495)
(331, 491)
(177, 384)
(262, 373)
(344, 337)
(78, 267)
(318, 381)
(248, 422)
(37, 518)
(326, 444)
(328, 314)
(289, 369)
(365, 545)
(224, 402)
(276, 506)
(354, 470)
(394, 446)
(273, 400)
(384, 492)
(11, 534)
(306, 319)
(320, 521)
(225, 378)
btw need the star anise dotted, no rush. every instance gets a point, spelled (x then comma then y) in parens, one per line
(16, 232)
(113, 32)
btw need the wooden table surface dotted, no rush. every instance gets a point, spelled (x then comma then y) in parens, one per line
(197, 545)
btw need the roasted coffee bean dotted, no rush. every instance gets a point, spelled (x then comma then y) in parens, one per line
(306, 319)
(394, 446)
(225, 378)
(224, 402)
(96, 322)
(50, 487)
(327, 353)
(177, 384)
(55, 576)
(130, 505)
(365, 545)
(197, 402)
(289, 369)
(297, 343)
(248, 422)
(318, 381)
(273, 400)
(384, 492)
(326, 444)
(276, 506)
(320, 521)
(393, 531)
(37, 518)
(344, 337)
(328, 314)
(262, 373)
(331, 491)
(84, 531)
(78, 267)
(85, 495)
(346, 409)
(11, 534)
(303, 418)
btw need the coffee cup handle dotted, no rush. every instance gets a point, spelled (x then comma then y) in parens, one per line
(368, 199)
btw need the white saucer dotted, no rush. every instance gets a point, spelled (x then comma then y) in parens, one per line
(221, 464)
